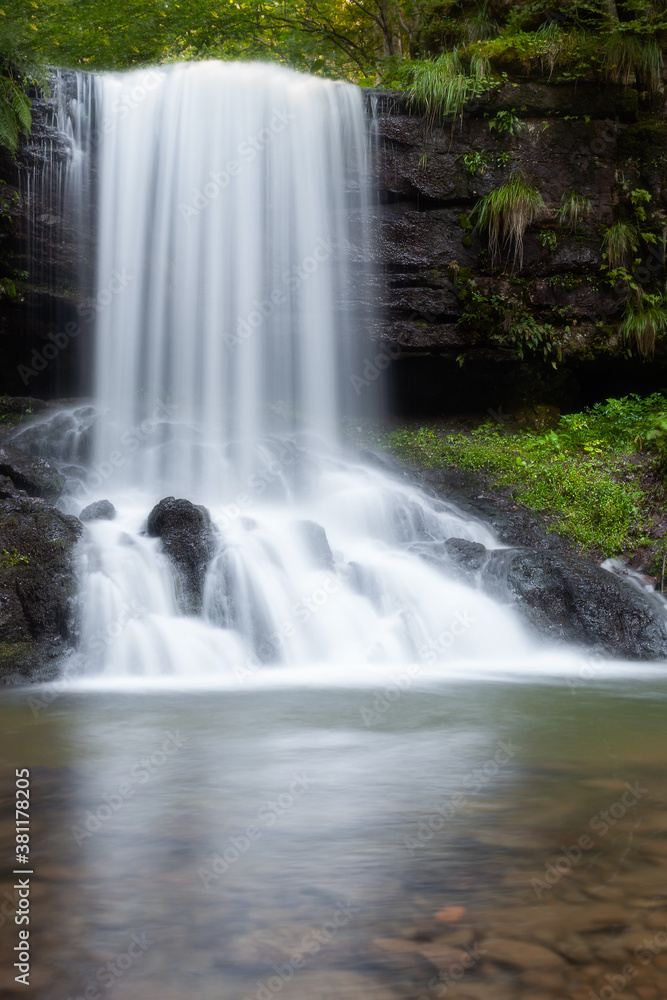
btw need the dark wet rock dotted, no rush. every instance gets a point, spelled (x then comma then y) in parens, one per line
(101, 510)
(37, 477)
(7, 488)
(470, 556)
(38, 586)
(315, 538)
(577, 601)
(188, 538)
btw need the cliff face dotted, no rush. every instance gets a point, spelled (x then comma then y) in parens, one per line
(40, 266)
(548, 329)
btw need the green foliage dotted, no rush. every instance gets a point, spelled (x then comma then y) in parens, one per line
(441, 87)
(629, 56)
(475, 161)
(644, 322)
(510, 322)
(639, 198)
(573, 207)
(547, 238)
(506, 121)
(9, 558)
(505, 214)
(620, 243)
(578, 473)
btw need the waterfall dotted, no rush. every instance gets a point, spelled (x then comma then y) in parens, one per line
(230, 344)
(223, 262)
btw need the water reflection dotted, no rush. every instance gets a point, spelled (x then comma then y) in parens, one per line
(476, 842)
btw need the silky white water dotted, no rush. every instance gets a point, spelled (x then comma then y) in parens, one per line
(229, 346)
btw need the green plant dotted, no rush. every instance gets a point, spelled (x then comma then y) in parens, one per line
(479, 23)
(628, 56)
(573, 206)
(577, 491)
(506, 121)
(15, 114)
(620, 243)
(657, 434)
(508, 320)
(505, 213)
(547, 238)
(640, 197)
(644, 322)
(9, 558)
(441, 87)
(503, 159)
(475, 161)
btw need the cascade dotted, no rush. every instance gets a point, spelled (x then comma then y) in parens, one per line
(230, 345)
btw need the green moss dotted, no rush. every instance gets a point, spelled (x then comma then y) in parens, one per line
(578, 473)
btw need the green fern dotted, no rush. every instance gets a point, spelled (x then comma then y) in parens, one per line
(15, 114)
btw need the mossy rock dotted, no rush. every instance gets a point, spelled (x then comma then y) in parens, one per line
(38, 620)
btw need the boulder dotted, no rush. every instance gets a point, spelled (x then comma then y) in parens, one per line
(561, 597)
(577, 601)
(101, 510)
(38, 586)
(315, 539)
(188, 539)
(34, 475)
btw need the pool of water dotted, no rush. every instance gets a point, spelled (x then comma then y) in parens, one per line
(482, 841)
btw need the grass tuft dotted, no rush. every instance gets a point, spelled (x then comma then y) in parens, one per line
(628, 57)
(505, 213)
(620, 243)
(644, 322)
(572, 209)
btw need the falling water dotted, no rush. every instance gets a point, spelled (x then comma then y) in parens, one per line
(230, 345)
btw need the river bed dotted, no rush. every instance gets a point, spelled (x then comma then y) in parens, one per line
(484, 841)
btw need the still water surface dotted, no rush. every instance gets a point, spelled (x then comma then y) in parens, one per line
(297, 843)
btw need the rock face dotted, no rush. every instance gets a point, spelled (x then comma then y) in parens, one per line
(188, 538)
(587, 139)
(33, 475)
(38, 586)
(565, 598)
